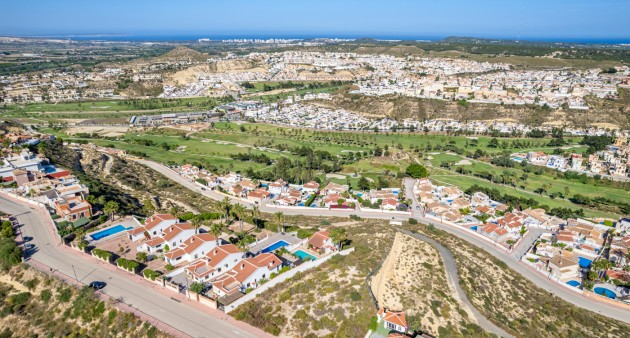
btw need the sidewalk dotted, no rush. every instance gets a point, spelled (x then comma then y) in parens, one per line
(132, 277)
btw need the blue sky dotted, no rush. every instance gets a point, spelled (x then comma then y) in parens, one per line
(538, 19)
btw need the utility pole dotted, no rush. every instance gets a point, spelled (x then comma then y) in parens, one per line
(75, 274)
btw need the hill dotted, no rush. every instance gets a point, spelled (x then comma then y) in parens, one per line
(182, 53)
(399, 107)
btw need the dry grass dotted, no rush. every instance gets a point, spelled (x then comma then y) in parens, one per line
(514, 303)
(34, 304)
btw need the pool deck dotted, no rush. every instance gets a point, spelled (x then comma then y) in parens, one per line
(126, 222)
(257, 247)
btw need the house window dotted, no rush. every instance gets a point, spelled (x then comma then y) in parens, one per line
(195, 255)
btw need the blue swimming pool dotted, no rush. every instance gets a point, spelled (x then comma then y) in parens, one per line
(274, 246)
(473, 228)
(304, 256)
(108, 232)
(574, 283)
(605, 292)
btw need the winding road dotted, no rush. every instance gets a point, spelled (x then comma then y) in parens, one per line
(593, 303)
(450, 267)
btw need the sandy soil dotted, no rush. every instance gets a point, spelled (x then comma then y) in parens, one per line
(412, 279)
(100, 130)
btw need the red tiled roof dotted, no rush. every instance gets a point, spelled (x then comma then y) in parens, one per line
(319, 238)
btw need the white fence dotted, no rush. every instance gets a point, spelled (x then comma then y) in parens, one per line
(281, 278)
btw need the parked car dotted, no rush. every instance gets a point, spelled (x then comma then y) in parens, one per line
(29, 246)
(27, 238)
(97, 285)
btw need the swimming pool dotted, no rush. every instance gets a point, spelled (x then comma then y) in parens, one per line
(574, 283)
(304, 255)
(108, 232)
(473, 228)
(274, 246)
(605, 292)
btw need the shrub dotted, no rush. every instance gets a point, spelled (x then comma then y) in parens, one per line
(65, 295)
(355, 296)
(197, 287)
(10, 253)
(413, 221)
(169, 267)
(141, 256)
(102, 254)
(45, 295)
(127, 264)
(151, 274)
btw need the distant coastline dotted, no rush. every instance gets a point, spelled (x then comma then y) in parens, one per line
(215, 37)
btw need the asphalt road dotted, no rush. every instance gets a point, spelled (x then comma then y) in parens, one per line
(183, 317)
(592, 303)
(450, 267)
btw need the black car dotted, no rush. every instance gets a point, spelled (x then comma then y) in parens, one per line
(97, 285)
(27, 239)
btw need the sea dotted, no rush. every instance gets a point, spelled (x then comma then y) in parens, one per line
(195, 37)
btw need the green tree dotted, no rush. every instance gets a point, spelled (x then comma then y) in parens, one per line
(226, 205)
(363, 183)
(279, 218)
(197, 287)
(111, 208)
(239, 211)
(216, 229)
(256, 215)
(339, 237)
(195, 223)
(416, 170)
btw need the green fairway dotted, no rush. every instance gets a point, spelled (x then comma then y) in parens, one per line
(181, 104)
(465, 182)
(532, 181)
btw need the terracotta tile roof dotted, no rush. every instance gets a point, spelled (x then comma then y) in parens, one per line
(174, 230)
(397, 318)
(156, 219)
(154, 241)
(319, 238)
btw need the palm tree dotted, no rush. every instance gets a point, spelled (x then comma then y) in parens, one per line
(242, 246)
(225, 205)
(339, 236)
(239, 211)
(216, 229)
(111, 208)
(195, 222)
(256, 215)
(279, 217)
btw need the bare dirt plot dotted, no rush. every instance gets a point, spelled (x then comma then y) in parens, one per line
(100, 130)
(412, 279)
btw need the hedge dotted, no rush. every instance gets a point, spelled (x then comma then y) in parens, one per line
(127, 264)
(151, 274)
(102, 254)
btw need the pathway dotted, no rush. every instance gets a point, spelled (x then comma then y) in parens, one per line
(450, 267)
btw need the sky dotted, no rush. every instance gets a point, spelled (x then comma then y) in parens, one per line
(513, 19)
